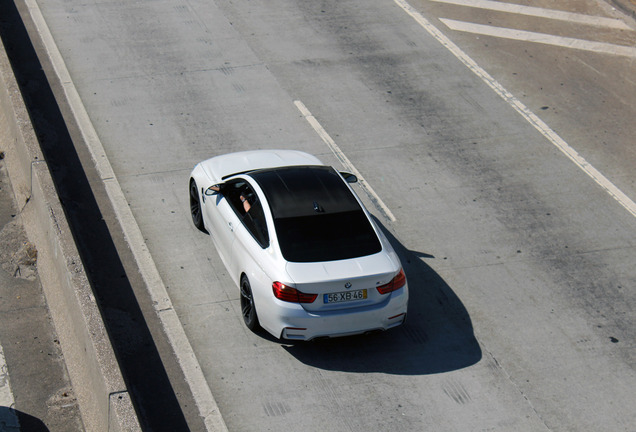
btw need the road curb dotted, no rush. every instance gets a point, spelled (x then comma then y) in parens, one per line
(103, 399)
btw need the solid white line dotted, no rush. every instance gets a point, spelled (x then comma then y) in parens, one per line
(527, 36)
(172, 327)
(8, 417)
(540, 12)
(525, 112)
(346, 163)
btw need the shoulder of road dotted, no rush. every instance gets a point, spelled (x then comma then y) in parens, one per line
(67, 314)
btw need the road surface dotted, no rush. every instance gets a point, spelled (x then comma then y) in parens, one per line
(497, 152)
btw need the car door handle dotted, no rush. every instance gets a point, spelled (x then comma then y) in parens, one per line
(230, 226)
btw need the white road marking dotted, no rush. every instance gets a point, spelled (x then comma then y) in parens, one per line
(527, 36)
(8, 418)
(346, 163)
(540, 12)
(525, 112)
(170, 322)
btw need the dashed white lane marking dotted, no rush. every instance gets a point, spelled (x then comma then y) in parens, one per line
(527, 36)
(540, 13)
(344, 160)
(8, 418)
(525, 112)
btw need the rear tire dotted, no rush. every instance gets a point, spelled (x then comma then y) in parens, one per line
(248, 310)
(195, 207)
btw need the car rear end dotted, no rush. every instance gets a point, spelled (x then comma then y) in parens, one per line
(341, 298)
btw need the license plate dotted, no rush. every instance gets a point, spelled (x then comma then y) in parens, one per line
(345, 296)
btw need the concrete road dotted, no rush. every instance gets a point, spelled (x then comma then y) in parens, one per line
(519, 258)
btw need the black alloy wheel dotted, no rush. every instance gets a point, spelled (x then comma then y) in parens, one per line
(247, 305)
(195, 207)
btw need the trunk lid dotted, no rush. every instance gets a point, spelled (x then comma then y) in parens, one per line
(344, 284)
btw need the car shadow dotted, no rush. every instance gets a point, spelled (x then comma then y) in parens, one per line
(11, 419)
(437, 336)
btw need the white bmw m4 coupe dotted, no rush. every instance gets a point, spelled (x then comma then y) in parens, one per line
(308, 259)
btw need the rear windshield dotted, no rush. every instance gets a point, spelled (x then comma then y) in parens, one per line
(326, 237)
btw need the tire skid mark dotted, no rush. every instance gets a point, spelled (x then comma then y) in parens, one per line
(456, 391)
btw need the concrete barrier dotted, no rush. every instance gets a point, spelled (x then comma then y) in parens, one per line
(103, 399)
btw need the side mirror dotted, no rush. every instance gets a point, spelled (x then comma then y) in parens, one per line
(349, 177)
(214, 189)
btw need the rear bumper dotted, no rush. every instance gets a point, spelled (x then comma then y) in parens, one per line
(298, 324)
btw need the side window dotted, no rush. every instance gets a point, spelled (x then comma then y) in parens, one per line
(247, 206)
(254, 221)
(235, 192)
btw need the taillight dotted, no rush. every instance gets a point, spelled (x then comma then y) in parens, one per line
(289, 294)
(396, 283)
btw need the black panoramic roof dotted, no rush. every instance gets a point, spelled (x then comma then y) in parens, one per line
(305, 190)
